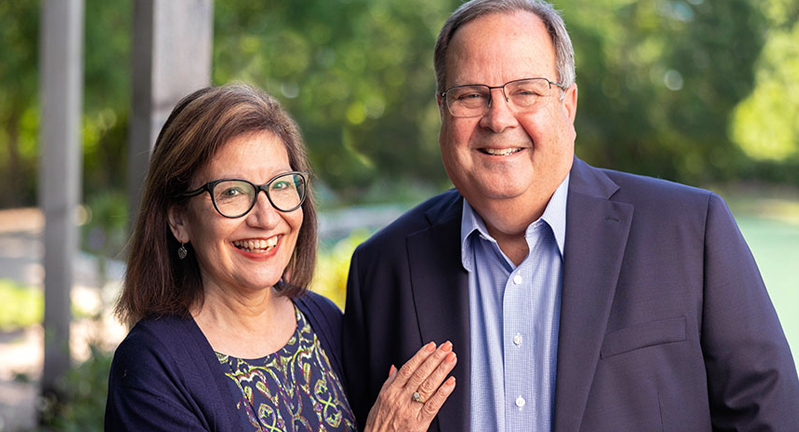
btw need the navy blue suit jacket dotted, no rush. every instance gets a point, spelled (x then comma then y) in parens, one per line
(166, 377)
(665, 325)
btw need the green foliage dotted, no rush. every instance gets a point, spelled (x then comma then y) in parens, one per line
(781, 13)
(333, 265)
(83, 392)
(658, 80)
(107, 95)
(20, 306)
(766, 124)
(356, 74)
(691, 90)
(107, 63)
(105, 232)
(18, 102)
(107, 78)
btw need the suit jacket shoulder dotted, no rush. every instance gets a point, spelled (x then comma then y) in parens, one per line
(634, 189)
(406, 287)
(676, 303)
(434, 211)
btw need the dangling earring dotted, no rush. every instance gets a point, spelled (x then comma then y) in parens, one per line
(182, 252)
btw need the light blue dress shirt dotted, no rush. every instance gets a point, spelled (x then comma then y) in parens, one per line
(514, 319)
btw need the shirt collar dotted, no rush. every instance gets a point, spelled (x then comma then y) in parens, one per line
(554, 215)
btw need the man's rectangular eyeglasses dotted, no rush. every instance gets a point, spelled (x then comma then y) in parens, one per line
(234, 198)
(522, 95)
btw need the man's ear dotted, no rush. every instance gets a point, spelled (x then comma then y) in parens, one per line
(177, 223)
(570, 101)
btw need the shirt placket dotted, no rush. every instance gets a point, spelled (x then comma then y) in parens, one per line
(521, 372)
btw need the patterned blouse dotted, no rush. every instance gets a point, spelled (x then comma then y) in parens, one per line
(294, 389)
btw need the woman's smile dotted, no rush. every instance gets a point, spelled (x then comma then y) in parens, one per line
(257, 245)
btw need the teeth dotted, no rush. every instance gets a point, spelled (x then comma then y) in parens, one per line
(501, 152)
(258, 245)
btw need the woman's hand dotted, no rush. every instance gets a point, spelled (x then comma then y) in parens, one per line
(411, 397)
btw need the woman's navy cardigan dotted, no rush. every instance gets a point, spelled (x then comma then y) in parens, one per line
(166, 377)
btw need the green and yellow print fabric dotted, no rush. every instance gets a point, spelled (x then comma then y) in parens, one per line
(292, 390)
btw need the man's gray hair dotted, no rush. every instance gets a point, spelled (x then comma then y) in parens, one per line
(564, 52)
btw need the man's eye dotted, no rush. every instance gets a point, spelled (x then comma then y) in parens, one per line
(526, 92)
(471, 96)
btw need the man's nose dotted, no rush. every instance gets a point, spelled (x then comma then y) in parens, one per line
(499, 115)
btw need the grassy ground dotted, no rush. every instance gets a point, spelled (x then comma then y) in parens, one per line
(771, 227)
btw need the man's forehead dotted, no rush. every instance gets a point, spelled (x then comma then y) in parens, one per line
(500, 46)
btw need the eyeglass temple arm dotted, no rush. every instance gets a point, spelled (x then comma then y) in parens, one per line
(194, 192)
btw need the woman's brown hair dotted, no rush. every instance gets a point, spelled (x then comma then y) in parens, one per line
(156, 281)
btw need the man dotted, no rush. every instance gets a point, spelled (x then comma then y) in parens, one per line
(577, 299)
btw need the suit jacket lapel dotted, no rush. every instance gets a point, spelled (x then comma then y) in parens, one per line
(441, 295)
(596, 236)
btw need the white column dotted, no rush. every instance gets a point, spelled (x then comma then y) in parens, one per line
(61, 92)
(172, 44)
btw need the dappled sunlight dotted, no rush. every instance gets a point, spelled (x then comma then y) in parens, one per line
(766, 124)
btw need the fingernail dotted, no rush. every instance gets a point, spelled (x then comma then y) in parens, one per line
(447, 346)
(450, 381)
(451, 357)
(392, 370)
(431, 346)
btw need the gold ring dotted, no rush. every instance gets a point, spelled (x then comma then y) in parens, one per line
(417, 397)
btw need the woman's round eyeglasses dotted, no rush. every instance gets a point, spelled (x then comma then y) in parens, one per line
(234, 198)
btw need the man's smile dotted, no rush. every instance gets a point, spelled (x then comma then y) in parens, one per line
(500, 152)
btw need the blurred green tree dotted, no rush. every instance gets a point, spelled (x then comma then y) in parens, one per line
(658, 80)
(690, 90)
(19, 27)
(766, 124)
(106, 97)
(357, 75)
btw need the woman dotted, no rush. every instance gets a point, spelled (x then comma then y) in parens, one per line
(227, 337)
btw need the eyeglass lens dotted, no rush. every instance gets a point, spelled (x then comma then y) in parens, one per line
(522, 95)
(234, 198)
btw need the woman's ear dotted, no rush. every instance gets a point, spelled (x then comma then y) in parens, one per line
(178, 223)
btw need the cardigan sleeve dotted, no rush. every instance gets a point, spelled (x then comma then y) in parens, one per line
(146, 389)
(166, 377)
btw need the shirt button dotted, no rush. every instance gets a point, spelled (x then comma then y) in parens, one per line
(517, 279)
(520, 401)
(517, 339)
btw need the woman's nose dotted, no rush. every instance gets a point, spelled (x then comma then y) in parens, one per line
(263, 213)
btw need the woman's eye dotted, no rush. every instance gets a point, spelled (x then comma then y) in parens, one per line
(231, 192)
(281, 185)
